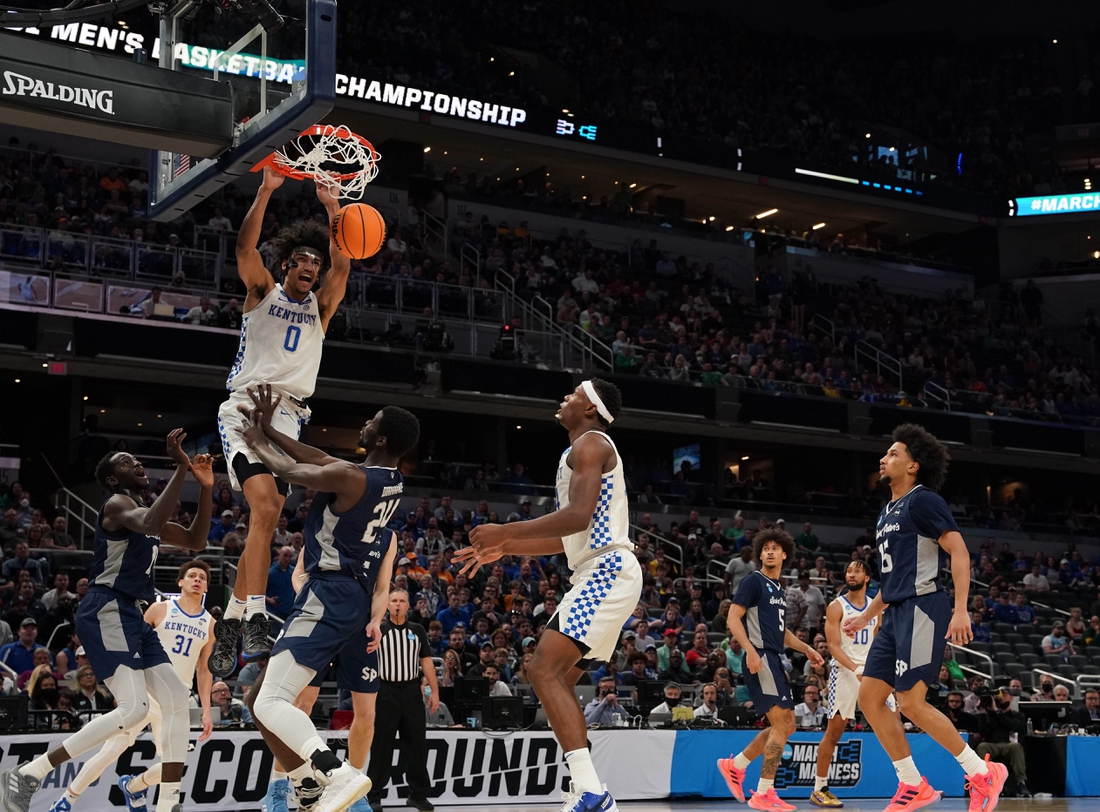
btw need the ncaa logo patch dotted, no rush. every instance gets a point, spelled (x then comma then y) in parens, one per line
(798, 766)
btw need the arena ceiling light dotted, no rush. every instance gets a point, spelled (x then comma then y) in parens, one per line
(819, 226)
(767, 213)
(825, 175)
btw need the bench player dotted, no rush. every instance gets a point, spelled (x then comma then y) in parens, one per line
(592, 527)
(757, 620)
(349, 554)
(849, 654)
(122, 648)
(913, 531)
(282, 332)
(185, 630)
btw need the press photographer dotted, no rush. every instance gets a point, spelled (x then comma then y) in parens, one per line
(999, 728)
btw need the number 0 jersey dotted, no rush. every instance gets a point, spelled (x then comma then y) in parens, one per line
(183, 637)
(354, 542)
(908, 538)
(280, 345)
(856, 647)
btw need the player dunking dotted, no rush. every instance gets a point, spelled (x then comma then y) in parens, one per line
(282, 331)
(591, 526)
(845, 672)
(185, 630)
(757, 620)
(122, 648)
(913, 529)
(349, 556)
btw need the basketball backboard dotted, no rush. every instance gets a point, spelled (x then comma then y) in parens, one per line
(283, 80)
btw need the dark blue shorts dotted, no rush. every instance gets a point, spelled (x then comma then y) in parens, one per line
(329, 623)
(768, 688)
(114, 632)
(909, 647)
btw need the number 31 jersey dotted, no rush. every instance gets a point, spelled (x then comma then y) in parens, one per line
(183, 637)
(354, 542)
(281, 342)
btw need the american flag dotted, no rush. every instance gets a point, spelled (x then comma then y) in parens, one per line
(180, 164)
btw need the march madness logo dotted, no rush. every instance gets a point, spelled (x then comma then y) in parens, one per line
(799, 765)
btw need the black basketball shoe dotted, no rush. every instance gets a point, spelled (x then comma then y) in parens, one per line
(223, 659)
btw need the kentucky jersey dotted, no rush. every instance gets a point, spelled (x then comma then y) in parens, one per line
(765, 605)
(354, 542)
(907, 535)
(280, 345)
(123, 562)
(183, 637)
(609, 527)
(856, 647)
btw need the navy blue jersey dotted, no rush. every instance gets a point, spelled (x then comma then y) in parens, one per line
(123, 561)
(765, 605)
(908, 534)
(354, 542)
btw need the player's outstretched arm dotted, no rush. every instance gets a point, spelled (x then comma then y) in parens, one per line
(193, 538)
(335, 284)
(122, 511)
(265, 405)
(833, 615)
(853, 624)
(250, 265)
(959, 630)
(337, 476)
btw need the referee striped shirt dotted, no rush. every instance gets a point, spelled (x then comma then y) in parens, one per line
(401, 650)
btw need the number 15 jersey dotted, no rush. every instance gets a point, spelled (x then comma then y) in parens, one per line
(354, 542)
(908, 539)
(281, 342)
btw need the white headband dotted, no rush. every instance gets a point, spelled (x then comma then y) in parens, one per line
(590, 390)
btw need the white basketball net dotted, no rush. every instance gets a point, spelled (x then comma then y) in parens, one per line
(332, 156)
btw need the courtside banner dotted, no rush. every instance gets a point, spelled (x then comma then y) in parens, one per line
(230, 771)
(860, 767)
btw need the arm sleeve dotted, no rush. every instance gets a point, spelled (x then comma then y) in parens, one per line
(930, 515)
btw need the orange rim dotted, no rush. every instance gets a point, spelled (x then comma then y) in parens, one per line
(316, 131)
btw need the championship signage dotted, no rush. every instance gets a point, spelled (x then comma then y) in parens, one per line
(798, 766)
(231, 770)
(1054, 204)
(429, 101)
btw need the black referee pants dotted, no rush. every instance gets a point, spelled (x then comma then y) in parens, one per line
(400, 709)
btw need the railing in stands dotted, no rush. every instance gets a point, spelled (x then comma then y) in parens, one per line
(938, 393)
(1068, 681)
(981, 655)
(665, 543)
(469, 254)
(824, 325)
(77, 513)
(435, 228)
(881, 359)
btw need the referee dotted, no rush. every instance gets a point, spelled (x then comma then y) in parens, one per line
(403, 655)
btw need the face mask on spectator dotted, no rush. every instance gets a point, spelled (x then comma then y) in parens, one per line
(672, 702)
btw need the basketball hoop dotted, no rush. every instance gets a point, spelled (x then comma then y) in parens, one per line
(331, 155)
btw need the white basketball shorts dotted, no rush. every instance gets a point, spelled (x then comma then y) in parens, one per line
(288, 419)
(605, 591)
(844, 692)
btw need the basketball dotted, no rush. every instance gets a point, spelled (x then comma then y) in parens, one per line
(358, 231)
